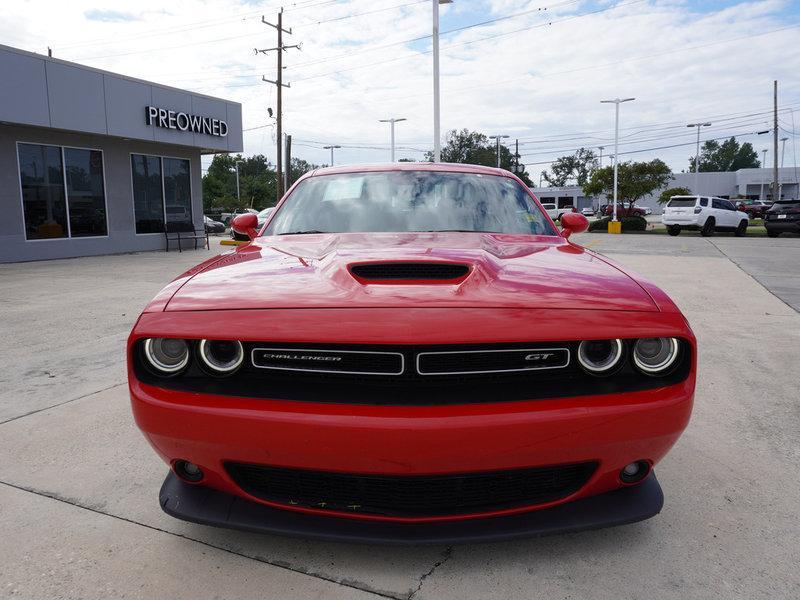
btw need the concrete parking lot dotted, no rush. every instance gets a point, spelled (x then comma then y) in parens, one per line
(79, 516)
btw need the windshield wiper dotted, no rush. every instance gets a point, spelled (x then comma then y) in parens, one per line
(303, 232)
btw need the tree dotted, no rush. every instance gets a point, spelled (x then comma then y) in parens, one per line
(727, 156)
(574, 169)
(474, 148)
(675, 191)
(256, 183)
(635, 180)
(300, 167)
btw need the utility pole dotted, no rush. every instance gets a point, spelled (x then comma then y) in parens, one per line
(783, 151)
(616, 102)
(392, 121)
(601, 148)
(775, 183)
(761, 195)
(280, 49)
(498, 138)
(331, 148)
(516, 157)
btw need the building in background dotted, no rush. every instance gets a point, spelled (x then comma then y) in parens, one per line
(744, 183)
(93, 162)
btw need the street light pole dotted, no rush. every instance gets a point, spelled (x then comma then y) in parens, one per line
(331, 148)
(783, 152)
(498, 138)
(437, 141)
(697, 156)
(236, 164)
(392, 121)
(616, 102)
(601, 148)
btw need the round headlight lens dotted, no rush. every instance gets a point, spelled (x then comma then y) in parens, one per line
(599, 357)
(221, 356)
(655, 355)
(166, 355)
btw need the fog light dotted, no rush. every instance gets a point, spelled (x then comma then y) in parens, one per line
(188, 471)
(635, 471)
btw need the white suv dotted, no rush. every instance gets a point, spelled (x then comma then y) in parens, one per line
(706, 213)
(555, 212)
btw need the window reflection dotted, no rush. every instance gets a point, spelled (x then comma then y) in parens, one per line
(87, 201)
(177, 191)
(43, 198)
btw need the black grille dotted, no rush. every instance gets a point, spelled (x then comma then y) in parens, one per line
(412, 495)
(406, 271)
(353, 362)
(491, 361)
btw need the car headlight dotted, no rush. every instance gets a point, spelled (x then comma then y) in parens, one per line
(655, 356)
(221, 357)
(600, 357)
(167, 356)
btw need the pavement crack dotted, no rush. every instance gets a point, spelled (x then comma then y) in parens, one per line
(448, 552)
(751, 276)
(277, 564)
(38, 410)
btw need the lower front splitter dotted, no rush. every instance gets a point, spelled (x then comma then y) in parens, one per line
(207, 506)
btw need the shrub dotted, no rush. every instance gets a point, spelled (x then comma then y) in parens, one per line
(632, 223)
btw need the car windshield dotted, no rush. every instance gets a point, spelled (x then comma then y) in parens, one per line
(681, 202)
(399, 201)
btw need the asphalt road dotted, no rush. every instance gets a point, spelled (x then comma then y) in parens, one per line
(79, 516)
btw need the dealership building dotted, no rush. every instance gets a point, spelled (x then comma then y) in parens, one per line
(93, 162)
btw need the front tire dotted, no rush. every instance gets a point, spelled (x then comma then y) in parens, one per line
(741, 230)
(674, 230)
(708, 227)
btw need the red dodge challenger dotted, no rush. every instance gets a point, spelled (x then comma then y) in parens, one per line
(411, 353)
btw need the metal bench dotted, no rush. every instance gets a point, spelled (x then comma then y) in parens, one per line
(177, 231)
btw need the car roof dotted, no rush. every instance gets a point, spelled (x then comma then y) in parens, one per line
(413, 166)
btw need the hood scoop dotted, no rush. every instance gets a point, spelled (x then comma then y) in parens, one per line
(409, 272)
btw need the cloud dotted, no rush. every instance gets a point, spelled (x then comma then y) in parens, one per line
(109, 16)
(538, 77)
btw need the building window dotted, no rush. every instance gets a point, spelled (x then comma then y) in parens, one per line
(176, 191)
(59, 202)
(43, 200)
(85, 192)
(161, 192)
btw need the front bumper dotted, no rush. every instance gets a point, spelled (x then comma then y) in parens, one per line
(207, 506)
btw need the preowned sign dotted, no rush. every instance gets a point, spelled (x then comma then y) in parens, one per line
(169, 119)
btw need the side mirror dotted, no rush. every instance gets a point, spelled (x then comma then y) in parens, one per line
(573, 222)
(246, 225)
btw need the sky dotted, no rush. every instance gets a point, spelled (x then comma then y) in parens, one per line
(535, 71)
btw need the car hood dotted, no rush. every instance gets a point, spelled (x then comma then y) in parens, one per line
(505, 271)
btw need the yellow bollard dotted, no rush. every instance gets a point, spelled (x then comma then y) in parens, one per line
(615, 227)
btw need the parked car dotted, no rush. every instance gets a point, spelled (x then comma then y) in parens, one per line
(587, 212)
(555, 212)
(623, 210)
(228, 216)
(648, 210)
(213, 226)
(411, 353)
(783, 217)
(703, 213)
(755, 209)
